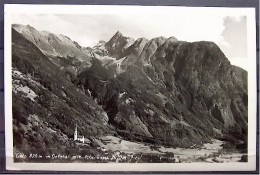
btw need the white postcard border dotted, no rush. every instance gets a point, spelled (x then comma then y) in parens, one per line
(96, 9)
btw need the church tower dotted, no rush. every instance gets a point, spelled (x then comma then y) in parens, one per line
(76, 133)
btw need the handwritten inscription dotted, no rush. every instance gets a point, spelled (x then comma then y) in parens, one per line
(120, 157)
(20, 156)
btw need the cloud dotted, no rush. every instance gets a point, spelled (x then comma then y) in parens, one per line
(235, 33)
(89, 29)
(225, 44)
(234, 40)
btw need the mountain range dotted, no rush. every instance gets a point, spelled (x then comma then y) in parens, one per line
(160, 91)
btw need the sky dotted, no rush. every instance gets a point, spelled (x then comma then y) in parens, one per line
(228, 32)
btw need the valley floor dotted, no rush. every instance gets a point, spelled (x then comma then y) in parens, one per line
(110, 149)
(209, 152)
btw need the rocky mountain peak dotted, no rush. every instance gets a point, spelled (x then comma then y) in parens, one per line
(140, 42)
(53, 45)
(159, 40)
(23, 28)
(63, 36)
(117, 44)
(117, 37)
(172, 39)
(30, 27)
(118, 33)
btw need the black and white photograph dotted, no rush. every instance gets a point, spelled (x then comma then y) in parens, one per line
(166, 88)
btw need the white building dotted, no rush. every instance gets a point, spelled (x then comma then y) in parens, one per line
(78, 137)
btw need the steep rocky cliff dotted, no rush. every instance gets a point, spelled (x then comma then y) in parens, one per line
(172, 92)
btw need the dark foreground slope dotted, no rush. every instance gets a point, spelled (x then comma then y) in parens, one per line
(171, 92)
(46, 106)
